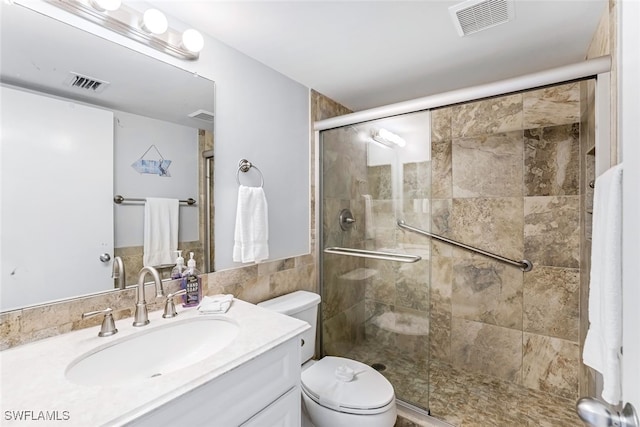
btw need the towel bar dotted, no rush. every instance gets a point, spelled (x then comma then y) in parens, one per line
(524, 265)
(386, 256)
(118, 199)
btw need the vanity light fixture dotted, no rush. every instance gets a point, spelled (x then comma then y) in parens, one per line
(387, 138)
(106, 5)
(150, 28)
(192, 40)
(154, 22)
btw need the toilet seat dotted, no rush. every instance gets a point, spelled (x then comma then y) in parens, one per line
(348, 386)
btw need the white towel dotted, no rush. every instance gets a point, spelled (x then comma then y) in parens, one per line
(369, 224)
(252, 226)
(215, 304)
(604, 337)
(160, 231)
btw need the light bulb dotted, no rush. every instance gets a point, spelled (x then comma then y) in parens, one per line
(154, 21)
(106, 5)
(192, 40)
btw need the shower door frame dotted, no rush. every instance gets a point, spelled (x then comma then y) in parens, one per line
(598, 68)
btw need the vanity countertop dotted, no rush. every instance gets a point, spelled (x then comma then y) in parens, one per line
(33, 382)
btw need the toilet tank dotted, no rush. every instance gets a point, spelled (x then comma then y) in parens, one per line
(302, 305)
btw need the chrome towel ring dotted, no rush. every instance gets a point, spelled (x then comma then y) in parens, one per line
(243, 166)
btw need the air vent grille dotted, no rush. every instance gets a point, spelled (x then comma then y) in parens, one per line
(86, 83)
(476, 15)
(202, 115)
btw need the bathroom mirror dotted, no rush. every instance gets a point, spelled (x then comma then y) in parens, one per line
(157, 115)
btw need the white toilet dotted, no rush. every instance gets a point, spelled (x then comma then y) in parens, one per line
(336, 392)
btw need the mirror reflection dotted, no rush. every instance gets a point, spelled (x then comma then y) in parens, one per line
(83, 120)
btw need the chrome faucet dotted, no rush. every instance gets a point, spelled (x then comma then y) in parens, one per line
(141, 317)
(118, 272)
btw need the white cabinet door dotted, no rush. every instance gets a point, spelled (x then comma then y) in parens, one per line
(57, 202)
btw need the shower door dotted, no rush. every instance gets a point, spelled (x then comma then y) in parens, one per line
(377, 311)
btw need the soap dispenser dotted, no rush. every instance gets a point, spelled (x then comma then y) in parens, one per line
(191, 283)
(178, 270)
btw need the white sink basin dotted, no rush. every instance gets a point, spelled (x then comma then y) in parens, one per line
(154, 352)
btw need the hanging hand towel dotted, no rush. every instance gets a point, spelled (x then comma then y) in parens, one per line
(604, 337)
(252, 226)
(160, 231)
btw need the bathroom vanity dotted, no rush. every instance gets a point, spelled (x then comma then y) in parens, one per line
(252, 378)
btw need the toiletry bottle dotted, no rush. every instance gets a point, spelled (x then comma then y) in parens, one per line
(192, 283)
(176, 272)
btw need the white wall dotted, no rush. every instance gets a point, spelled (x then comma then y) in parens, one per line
(133, 135)
(262, 116)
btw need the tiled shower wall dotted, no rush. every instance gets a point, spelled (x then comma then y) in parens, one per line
(344, 178)
(505, 174)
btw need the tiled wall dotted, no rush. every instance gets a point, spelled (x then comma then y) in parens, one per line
(253, 283)
(344, 179)
(506, 178)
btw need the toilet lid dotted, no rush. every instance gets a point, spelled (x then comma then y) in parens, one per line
(347, 385)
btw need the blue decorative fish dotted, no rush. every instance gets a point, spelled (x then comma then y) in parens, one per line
(155, 167)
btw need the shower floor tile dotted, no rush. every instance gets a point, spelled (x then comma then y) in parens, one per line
(467, 399)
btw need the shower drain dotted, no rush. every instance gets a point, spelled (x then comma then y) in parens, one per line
(379, 366)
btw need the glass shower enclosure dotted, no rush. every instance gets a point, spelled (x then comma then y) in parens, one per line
(375, 276)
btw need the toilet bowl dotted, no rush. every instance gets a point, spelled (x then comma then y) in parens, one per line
(336, 391)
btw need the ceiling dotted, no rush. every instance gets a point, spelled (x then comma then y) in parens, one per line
(43, 54)
(366, 54)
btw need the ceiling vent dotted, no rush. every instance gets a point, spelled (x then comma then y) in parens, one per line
(86, 83)
(476, 15)
(202, 115)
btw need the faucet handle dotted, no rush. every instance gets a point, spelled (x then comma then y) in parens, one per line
(170, 306)
(108, 324)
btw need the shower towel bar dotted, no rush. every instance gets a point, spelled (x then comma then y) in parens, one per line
(119, 199)
(524, 265)
(387, 256)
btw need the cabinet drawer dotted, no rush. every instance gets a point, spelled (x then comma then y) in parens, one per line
(236, 396)
(284, 412)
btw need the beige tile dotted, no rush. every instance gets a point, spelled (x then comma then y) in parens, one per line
(441, 276)
(441, 221)
(552, 160)
(502, 114)
(556, 105)
(381, 284)
(441, 124)
(492, 224)
(488, 165)
(486, 291)
(343, 331)
(441, 183)
(551, 302)
(440, 335)
(552, 231)
(412, 285)
(10, 330)
(551, 365)
(379, 182)
(492, 350)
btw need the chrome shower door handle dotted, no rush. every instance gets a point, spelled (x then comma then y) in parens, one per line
(599, 414)
(105, 257)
